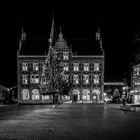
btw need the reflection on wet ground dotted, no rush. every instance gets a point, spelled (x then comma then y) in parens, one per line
(69, 122)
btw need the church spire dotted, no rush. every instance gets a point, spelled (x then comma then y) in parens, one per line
(60, 36)
(52, 33)
(22, 39)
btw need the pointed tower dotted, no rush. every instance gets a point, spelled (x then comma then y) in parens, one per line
(99, 39)
(61, 42)
(22, 39)
(52, 33)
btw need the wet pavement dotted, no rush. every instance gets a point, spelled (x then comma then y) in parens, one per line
(68, 122)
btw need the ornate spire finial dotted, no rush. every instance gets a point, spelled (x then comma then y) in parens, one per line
(98, 34)
(23, 35)
(61, 35)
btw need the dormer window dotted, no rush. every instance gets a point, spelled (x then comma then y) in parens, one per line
(65, 56)
(24, 66)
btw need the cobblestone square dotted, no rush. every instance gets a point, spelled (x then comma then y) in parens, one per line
(68, 122)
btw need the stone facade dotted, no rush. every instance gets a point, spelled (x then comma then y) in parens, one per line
(86, 72)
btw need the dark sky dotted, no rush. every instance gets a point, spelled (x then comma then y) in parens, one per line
(119, 25)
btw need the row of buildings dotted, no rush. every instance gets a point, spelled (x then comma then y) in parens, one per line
(85, 72)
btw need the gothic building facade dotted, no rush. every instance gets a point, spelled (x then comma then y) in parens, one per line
(85, 72)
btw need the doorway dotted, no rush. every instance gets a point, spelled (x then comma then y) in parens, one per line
(75, 98)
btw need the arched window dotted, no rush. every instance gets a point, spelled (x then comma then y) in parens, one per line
(35, 94)
(76, 92)
(25, 94)
(86, 95)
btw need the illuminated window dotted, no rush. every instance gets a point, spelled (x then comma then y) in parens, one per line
(84, 97)
(96, 79)
(25, 94)
(86, 66)
(86, 79)
(45, 97)
(25, 79)
(34, 78)
(75, 67)
(96, 66)
(24, 66)
(66, 67)
(35, 94)
(75, 79)
(65, 55)
(35, 67)
(94, 97)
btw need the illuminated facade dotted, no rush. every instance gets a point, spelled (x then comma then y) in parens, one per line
(136, 83)
(85, 72)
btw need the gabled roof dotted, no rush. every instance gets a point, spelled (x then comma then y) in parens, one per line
(34, 47)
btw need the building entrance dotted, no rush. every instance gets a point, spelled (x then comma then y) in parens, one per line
(75, 98)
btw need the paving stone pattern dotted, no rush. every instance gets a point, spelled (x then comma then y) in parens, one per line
(68, 122)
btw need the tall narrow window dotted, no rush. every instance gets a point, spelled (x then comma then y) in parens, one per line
(35, 67)
(86, 66)
(66, 67)
(96, 66)
(65, 55)
(75, 66)
(86, 79)
(25, 79)
(75, 79)
(24, 66)
(96, 79)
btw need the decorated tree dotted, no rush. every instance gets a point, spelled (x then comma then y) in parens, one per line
(52, 77)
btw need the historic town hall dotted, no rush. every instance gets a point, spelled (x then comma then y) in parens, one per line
(85, 72)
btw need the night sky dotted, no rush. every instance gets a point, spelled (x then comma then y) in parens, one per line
(119, 24)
